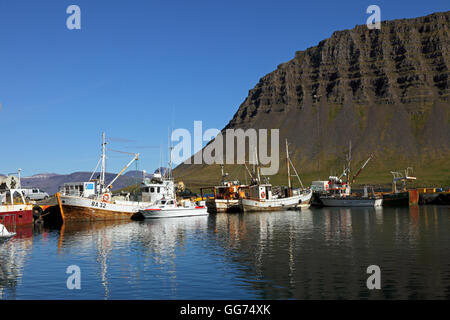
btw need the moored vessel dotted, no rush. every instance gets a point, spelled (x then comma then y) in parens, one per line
(226, 197)
(262, 198)
(339, 192)
(93, 200)
(14, 210)
(170, 209)
(365, 200)
(402, 197)
(167, 206)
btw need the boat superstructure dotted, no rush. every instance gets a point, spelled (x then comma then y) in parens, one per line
(158, 187)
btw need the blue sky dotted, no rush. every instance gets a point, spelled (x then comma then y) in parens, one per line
(137, 67)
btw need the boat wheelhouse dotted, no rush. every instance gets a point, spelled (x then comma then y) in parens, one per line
(157, 188)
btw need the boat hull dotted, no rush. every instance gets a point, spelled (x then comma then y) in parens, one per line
(84, 209)
(174, 213)
(19, 215)
(223, 206)
(351, 202)
(408, 198)
(250, 205)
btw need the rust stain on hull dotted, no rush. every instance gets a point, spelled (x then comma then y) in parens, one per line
(73, 213)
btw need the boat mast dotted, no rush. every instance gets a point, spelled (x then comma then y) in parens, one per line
(103, 170)
(257, 165)
(170, 158)
(288, 166)
(349, 157)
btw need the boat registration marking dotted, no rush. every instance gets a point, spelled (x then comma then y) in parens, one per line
(98, 204)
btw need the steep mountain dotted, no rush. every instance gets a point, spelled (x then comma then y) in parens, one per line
(387, 91)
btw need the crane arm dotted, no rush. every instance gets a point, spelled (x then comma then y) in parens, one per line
(362, 167)
(136, 157)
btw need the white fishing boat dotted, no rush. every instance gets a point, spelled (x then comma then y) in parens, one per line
(339, 192)
(93, 200)
(167, 207)
(170, 209)
(262, 198)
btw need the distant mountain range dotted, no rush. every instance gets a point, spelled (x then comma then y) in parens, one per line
(50, 182)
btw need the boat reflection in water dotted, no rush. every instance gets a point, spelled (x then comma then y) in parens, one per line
(324, 253)
(13, 256)
(134, 249)
(309, 254)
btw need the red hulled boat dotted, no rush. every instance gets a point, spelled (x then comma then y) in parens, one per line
(13, 208)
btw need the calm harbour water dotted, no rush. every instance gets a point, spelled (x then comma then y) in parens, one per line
(312, 254)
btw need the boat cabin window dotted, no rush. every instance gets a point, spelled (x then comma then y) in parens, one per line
(159, 190)
(152, 189)
(170, 202)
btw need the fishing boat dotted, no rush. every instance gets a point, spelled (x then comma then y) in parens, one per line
(368, 199)
(93, 200)
(339, 192)
(170, 209)
(14, 210)
(226, 197)
(261, 196)
(402, 196)
(167, 206)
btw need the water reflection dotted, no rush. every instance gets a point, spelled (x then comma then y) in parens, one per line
(13, 256)
(311, 254)
(324, 253)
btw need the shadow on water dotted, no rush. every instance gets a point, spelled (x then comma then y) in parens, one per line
(311, 254)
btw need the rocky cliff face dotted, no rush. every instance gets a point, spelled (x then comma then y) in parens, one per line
(385, 90)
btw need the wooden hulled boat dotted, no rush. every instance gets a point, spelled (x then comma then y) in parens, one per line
(262, 198)
(225, 198)
(401, 197)
(93, 200)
